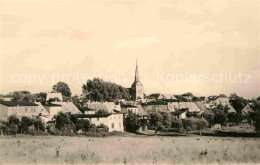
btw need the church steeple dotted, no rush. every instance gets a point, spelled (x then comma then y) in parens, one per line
(137, 90)
(136, 73)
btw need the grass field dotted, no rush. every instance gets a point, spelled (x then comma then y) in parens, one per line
(132, 149)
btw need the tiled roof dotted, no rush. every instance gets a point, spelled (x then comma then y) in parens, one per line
(17, 103)
(129, 106)
(51, 105)
(42, 110)
(141, 111)
(68, 107)
(93, 115)
(201, 106)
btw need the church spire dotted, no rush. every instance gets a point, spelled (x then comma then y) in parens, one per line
(136, 73)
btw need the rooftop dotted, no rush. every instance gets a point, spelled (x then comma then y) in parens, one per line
(17, 103)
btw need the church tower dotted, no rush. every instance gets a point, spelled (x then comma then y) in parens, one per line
(137, 89)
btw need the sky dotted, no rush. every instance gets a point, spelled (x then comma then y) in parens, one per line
(206, 47)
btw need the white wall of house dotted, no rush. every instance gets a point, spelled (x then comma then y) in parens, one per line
(114, 122)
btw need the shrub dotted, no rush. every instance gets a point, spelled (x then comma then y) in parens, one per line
(54, 131)
(83, 125)
(177, 124)
(102, 128)
(92, 128)
(192, 124)
(132, 123)
(13, 123)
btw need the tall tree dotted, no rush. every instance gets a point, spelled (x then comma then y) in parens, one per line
(99, 90)
(63, 88)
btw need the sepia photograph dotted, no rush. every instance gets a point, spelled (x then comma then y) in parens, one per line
(130, 82)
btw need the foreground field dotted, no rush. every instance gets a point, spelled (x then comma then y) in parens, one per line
(123, 150)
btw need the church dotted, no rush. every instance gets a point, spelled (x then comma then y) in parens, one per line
(137, 88)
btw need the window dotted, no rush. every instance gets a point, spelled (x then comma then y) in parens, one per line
(112, 125)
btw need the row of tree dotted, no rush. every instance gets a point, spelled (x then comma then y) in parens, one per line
(25, 125)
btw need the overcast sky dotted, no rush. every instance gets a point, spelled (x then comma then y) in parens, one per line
(181, 46)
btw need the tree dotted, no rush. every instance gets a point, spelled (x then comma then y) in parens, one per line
(132, 123)
(63, 88)
(99, 90)
(76, 101)
(219, 117)
(209, 116)
(13, 123)
(156, 121)
(222, 96)
(41, 97)
(254, 117)
(238, 103)
(62, 120)
(25, 123)
(38, 124)
(195, 123)
(83, 125)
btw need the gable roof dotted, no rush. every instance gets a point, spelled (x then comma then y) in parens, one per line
(17, 103)
(223, 100)
(247, 109)
(94, 115)
(191, 106)
(68, 107)
(141, 111)
(42, 110)
(201, 106)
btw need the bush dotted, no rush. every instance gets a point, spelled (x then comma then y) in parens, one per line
(192, 124)
(92, 128)
(83, 125)
(132, 123)
(177, 124)
(102, 128)
(53, 131)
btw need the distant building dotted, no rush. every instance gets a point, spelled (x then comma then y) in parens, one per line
(247, 110)
(108, 107)
(137, 88)
(53, 109)
(190, 106)
(134, 109)
(68, 107)
(19, 108)
(54, 96)
(113, 121)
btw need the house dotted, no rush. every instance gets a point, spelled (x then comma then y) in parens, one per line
(44, 114)
(113, 121)
(180, 114)
(190, 106)
(53, 109)
(54, 96)
(159, 96)
(18, 108)
(134, 109)
(202, 106)
(167, 97)
(68, 107)
(247, 110)
(224, 101)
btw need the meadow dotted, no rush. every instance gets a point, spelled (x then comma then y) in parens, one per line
(135, 149)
